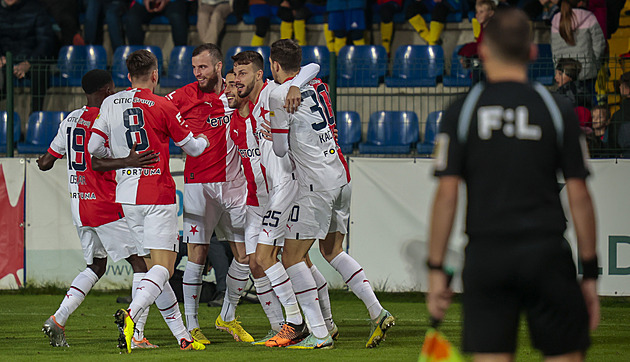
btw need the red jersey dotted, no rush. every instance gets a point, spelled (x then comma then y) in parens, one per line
(141, 117)
(208, 113)
(244, 135)
(92, 193)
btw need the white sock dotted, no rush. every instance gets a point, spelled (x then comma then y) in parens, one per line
(168, 306)
(306, 293)
(235, 282)
(79, 288)
(269, 302)
(283, 288)
(138, 333)
(148, 290)
(324, 298)
(354, 276)
(191, 285)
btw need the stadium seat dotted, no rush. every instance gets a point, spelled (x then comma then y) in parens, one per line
(542, 69)
(40, 131)
(430, 131)
(349, 129)
(454, 16)
(416, 66)
(263, 50)
(179, 68)
(173, 149)
(391, 132)
(460, 76)
(361, 66)
(4, 118)
(74, 61)
(319, 55)
(119, 66)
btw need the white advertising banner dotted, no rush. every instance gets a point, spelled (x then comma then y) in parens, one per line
(53, 249)
(391, 204)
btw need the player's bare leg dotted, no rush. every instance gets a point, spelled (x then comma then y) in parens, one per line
(191, 286)
(238, 275)
(354, 276)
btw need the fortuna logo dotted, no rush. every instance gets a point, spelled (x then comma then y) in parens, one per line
(141, 171)
(193, 229)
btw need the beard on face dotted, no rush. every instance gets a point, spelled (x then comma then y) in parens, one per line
(246, 91)
(211, 82)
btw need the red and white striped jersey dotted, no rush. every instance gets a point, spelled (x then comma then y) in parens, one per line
(208, 113)
(92, 193)
(319, 163)
(139, 116)
(243, 132)
(278, 170)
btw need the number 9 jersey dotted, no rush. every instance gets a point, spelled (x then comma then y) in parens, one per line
(92, 193)
(137, 116)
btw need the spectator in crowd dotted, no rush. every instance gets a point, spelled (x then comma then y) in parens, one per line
(66, 15)
(567, 71)
(346, 19)
(537, 9)
(387, 9)
(613, 11)
(26, 32)
(599, 139)
(211, 15)
(295, 13)
(469, 54)
(142, 11)
(111, 11)
(624, 62)
(439, 10)
(575, 33)
(261, 11)
(622, 115)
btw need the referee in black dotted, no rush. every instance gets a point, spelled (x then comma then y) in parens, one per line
(507, 139)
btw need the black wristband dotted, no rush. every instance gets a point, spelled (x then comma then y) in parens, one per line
(590, 269)
(432, 266)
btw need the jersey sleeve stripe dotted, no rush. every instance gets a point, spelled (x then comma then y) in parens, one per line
(100, 133)
(56, 154)
(279, 130)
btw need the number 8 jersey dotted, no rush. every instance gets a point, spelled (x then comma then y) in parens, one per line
(319, 163)
(148, 120)
(92, 193)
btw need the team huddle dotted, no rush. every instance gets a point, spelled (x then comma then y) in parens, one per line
(263, 171)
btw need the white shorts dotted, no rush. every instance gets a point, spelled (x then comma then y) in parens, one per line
(153, 226)
(319, 213)
(216, 206)
(253, 225)
(111, 240)
(277, 212)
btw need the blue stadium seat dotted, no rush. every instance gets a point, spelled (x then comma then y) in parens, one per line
(416, 66)
(4, 118)
(319, 55)
(119, 67)
(430, 131)
(173, 149)
(391, 132)
(179, 68)
(460, 76)
(349, 129)
(361, 66)
(542, 70)
(74, 61)
(40, 131)
(263, 50)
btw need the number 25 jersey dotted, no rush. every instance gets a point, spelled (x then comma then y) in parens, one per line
(148, 120)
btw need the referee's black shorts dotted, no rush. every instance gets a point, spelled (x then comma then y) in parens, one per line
(504, 277)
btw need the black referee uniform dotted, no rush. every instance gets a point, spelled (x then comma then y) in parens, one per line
(508, 141)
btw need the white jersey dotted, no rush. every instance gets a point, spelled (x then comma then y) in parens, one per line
(319, 163)
(278, 170)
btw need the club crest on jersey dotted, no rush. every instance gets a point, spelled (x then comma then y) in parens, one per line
(141, 171)
(219, 121)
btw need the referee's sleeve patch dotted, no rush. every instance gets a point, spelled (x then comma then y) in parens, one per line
(442, 141)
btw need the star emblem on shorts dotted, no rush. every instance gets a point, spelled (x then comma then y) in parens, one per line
(193, 229)
(263, 112)
(268, 303)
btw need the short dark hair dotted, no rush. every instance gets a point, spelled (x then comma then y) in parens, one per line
(601, 107)
(231, 71)
(570, 67)
(215, 51)
(288, 53)
(94, 80)
(509, 36)
(141, 63)
(249, 57)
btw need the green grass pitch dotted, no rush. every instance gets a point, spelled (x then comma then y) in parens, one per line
(92, 334)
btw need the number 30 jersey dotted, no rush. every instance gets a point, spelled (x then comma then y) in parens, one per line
(92, 193)
(148, 120)
(318, 160)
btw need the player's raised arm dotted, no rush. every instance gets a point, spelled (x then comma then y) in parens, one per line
(146, 159)
(294, 98)
(279, 124)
